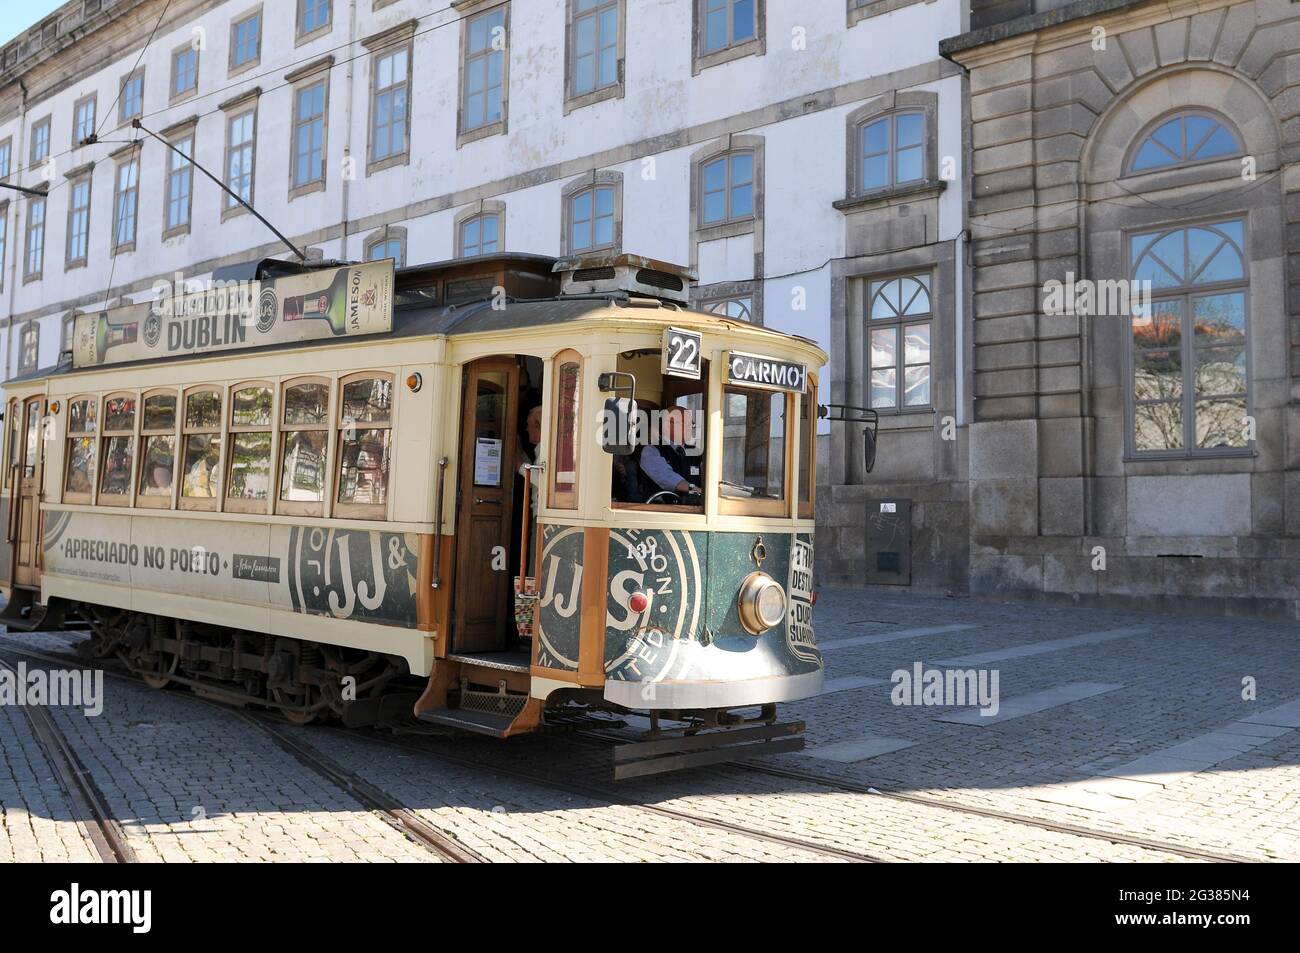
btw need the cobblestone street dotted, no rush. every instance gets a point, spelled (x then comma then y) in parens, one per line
(1118, 736)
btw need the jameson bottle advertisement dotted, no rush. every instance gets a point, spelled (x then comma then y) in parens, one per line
(183, 319)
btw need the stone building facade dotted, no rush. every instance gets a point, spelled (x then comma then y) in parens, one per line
(1146, 452)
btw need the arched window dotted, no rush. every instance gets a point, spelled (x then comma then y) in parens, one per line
(1186, 138)
(900, 373)
(1189, 386)
(388, 242)
(892, 151)
(479, 235)
(727, 188)
(29, 345)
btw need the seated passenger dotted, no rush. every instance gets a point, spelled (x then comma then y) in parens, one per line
(667, 464)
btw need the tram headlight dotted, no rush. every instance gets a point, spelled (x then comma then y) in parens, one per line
(761, 602)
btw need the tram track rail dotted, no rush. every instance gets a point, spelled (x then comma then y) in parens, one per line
(850, 787)
(377, 800)
(90, 805)
(371, 797)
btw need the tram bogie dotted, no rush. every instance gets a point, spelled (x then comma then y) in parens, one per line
(498, 495)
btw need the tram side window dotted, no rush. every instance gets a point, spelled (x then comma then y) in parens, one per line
(118, 450)
(365, 422)
(250, 446)
(807, 448)
(202, 460)
(304, 441)
(15, 429)
(158, 461)
(33, 439)
(568, 396)
(753, 446)
(79, 475)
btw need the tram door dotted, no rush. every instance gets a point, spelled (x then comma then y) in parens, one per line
(24, 525)
(482, 609)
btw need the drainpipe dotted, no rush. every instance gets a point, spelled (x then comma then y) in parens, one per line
(347, 127)
(959, 283)
(11, 236)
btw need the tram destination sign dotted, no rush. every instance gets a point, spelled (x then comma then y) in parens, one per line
(754, 370)
(318, 305)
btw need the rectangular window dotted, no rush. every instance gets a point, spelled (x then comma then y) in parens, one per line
(246, 41)
(807, 449)
(131, 101)
(591, 219)
(125, 203)
(313, 15)
(388, 105)
(158, 462)
(118, 450)
(79, 468)
(6, 158)
(726, 23)
(78, 221)
(185, 71)
(240, 144)
(4, 237)
(29, 346)
(250, 449)
(753, 447)
(568, 397)
(180, 186)
(201, 467)
(899, 318)
(1190, 382)
(595, 46)
(485, 54)
(365, 422)
(35, 260)
(40, 141)
(309, 135)
(83, 120)
(304, 439)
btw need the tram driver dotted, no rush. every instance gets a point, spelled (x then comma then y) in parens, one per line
(673, 462)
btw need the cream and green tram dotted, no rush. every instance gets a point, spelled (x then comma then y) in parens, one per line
(496, 494)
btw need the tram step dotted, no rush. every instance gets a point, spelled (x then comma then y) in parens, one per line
(38, 617)
(479, 722)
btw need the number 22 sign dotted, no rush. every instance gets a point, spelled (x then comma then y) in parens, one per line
(682, 353)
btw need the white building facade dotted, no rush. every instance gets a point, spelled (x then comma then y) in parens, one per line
(792, 151)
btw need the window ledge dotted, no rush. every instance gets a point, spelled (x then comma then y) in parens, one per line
(721, 230)
(913, 190)
(581, 100)
(755, 47)
(233, 211)
(874, 8)
(387, 162)
(483, 132)
(299, 191)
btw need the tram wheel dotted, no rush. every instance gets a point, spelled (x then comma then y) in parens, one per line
(161, 680)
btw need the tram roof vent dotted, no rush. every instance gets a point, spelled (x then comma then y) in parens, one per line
(630, 274)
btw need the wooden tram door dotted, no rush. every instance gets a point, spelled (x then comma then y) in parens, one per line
(482, 616)
(25, 520)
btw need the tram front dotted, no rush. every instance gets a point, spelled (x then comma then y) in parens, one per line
(705, 540)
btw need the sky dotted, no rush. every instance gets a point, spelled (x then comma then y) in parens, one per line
(18, 15)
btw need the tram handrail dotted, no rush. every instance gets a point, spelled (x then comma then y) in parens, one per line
(437, 529)
(11, 529)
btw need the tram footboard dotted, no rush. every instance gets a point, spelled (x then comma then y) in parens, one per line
(713, 746)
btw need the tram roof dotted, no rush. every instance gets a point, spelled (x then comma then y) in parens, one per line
(412, 318)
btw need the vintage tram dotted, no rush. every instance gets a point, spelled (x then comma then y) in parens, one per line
(495, 493)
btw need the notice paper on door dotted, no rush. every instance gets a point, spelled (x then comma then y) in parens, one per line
(487, 462)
